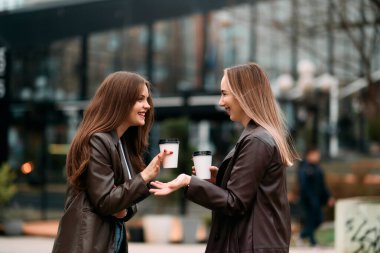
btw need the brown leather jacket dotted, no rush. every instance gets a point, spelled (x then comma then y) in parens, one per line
(87, 224)
(250, 209)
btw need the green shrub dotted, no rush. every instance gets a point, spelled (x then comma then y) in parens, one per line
(7, 186)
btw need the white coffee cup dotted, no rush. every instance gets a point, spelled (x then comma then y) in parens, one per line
(202, 162)
(171, 145)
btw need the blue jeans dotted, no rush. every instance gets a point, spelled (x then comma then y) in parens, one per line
(119, 235)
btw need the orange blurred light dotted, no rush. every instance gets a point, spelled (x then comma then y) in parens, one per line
(350, 179)
(371, 179)
(26, 168)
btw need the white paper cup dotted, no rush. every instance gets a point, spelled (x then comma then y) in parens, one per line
(171, 144)
(202, 162)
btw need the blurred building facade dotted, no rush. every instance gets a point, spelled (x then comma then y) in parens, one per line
(56, 53)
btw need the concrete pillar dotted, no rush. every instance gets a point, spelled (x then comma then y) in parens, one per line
(357, 225)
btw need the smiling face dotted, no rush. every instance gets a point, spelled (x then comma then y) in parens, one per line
(137, 114)
(230, 103)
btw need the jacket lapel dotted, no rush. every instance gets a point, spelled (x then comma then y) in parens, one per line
(124, 170)
(226, 166)
(228, 157)
(223, 166)
(131, 170)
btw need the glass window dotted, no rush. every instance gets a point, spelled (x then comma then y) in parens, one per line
(116, 50)
(64, 69)
(39, 136)
(228, 42)
(168, 59)
(51, 73)
(273, 40)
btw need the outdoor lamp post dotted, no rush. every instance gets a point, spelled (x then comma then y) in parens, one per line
(329, 83)
(306, 84)
(296, 89)
(306, 81)
(285, 82)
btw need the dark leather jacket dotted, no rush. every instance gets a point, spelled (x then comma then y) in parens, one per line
(250, 209)
(87, 224)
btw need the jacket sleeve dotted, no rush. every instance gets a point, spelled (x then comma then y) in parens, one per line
(106, 198)
(251, 162)
(303, 182)
(325, 193)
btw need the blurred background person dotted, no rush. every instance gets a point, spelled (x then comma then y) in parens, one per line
(314, 194)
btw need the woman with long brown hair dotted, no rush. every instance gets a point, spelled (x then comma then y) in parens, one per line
(247, 194)
(105, 169)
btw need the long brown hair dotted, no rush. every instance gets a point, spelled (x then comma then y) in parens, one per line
(251, 87)
(110, 106)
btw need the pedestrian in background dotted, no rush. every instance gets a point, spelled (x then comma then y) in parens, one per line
(248, 194)
(313, 192)
(105, 169)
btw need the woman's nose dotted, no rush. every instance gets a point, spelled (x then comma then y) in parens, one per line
(221, 102)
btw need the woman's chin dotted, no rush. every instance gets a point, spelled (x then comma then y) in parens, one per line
(139, 123)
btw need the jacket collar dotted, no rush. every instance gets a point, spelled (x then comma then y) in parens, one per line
(248, 129)
(251, 125)
(115, 138)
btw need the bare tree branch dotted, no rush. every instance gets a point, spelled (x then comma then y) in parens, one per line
(356, 42)
(376, 3)
(366, 48)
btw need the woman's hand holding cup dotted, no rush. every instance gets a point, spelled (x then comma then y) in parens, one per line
(152, 170)
(171, 144)
(213, 173)
(202, 166)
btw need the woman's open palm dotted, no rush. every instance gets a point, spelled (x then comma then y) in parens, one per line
(163, 189)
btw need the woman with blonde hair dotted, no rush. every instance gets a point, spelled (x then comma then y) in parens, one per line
(105, 169)
(248, 193)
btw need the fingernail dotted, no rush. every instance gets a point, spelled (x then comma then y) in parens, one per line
(164, 150)
(171, 152)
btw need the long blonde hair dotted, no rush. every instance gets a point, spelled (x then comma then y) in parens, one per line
(110, 106)
(251, 87)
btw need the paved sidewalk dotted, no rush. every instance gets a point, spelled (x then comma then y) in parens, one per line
(26, 244)
(39, 238)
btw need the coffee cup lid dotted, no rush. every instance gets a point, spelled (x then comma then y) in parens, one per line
(168, 140)
(197, 153)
